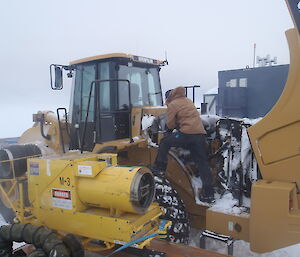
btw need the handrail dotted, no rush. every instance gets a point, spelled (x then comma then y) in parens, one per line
(193, 87)
(60, 128)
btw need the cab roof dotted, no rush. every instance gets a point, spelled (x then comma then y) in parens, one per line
(131, 57)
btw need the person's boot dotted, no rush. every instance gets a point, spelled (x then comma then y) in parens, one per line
(207, 195)
(158, 169)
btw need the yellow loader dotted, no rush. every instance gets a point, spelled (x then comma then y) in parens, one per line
(85, 172)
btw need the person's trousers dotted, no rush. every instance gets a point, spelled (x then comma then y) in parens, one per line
(196, 143)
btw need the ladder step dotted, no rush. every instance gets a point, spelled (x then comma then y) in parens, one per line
(228, 240)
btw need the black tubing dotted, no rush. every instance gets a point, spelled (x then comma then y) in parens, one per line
(74, 245)
(20, 152)
(45, 240)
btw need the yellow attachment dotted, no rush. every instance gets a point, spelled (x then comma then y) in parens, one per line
(118, 188)
(91, 196)
(51, 129)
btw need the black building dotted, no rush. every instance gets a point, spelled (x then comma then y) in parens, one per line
(250, 92)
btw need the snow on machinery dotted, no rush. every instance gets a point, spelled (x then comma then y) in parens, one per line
(111, 95)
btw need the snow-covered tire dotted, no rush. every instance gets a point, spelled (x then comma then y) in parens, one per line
(174, 210)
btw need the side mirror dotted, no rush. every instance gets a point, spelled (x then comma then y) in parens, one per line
(56, 76)
(58, 82)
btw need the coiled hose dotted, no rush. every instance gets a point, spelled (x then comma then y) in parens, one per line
(46, 242)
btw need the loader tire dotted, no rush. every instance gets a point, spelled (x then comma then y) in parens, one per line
(174, 210)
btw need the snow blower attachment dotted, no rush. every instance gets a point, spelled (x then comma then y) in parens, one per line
(19, 154)
(92, 197)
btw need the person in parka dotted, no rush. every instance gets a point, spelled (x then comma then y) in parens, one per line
(183, 116)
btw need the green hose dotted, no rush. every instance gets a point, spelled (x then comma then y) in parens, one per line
(44, 240)
(38, 253)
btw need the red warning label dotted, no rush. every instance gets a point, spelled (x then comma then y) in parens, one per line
(62, 199)
(61, 194)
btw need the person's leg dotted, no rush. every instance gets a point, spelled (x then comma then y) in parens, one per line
(176, 139)
(199, 155)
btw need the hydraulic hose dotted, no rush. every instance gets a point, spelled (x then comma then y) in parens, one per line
(45, 240)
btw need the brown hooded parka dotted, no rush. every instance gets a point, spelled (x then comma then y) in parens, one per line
(182, 113)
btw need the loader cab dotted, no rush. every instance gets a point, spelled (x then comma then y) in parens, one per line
(104, 91)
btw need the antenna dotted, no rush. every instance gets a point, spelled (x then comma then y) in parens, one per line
(166, 58)
(254, 50)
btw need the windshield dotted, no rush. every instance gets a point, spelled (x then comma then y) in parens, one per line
(113, 95)
(145, 86)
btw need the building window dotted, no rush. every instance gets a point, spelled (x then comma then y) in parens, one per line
(243, 82)
(231, 83)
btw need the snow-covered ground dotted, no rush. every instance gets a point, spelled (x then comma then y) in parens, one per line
(242, 248)
(227, 204)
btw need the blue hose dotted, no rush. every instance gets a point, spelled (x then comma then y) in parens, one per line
(143, 238)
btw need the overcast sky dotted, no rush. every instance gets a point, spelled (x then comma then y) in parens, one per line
(200, 37)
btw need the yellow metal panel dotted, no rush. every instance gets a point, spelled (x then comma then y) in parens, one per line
(89, 168)
(154, 110)
(136, 118)
(226, 224)
(99, 57)
(275, 139)
(283, 147)
(96, 223)
(114, 55)
(275, 216)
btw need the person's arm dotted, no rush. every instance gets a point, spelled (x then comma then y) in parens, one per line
(171, 116)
